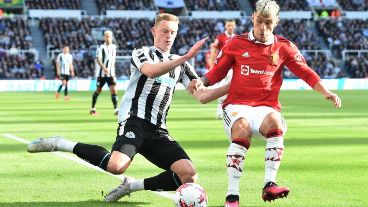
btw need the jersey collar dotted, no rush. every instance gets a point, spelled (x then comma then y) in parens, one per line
(160, 51)
(253, 39)
(228, 36)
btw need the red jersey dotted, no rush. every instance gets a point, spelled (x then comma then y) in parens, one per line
(222, 39)
(257, 69)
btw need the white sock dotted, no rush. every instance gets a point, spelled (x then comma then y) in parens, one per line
(65, 145)
(137, 185)
(235, 164)
(273, 156)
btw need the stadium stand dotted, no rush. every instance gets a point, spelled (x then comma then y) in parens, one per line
(213, 5)
(104, 5)
(291, 5)
(14, 32)
(357, 66)
(55, 4)
(19, 66)
(298, 32)
(343, 34)
(354, 5)
(314, 37)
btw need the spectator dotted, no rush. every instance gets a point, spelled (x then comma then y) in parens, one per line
(104, 5)
(213, 5)
(54, 4)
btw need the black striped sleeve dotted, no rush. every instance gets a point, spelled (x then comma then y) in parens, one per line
(139, 57)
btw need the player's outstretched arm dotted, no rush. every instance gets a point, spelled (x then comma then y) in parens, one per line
(207, 95)
(153, 70)
(319, 87)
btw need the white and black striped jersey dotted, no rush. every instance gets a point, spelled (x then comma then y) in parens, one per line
(65, 62)
(149, 98)
(107, 55)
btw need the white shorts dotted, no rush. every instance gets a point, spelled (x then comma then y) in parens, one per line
(254, 115)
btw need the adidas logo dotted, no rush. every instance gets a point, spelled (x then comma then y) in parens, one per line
(130, 135)
(245, 55)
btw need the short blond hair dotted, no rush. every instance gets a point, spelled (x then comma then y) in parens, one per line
(167, 17)
(108, 32)
(267, 8)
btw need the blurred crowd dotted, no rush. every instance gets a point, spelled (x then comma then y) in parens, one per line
(357, 65)
(14, 33)
(104, 5)
(19, 66)
(353, 5)
(54, 4)
(80, 35)
(15, 38)
(343, 34)
(291, 5)
(212, 5)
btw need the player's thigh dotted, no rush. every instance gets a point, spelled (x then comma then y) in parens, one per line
(111, 82)
(237, 122)
(130, 136)
(100, 82)
(163, 151)
(185, 170)
(270, 119)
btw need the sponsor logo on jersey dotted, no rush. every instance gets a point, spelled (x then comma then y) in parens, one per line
(169, 82)
(246, 70)
(130, 135)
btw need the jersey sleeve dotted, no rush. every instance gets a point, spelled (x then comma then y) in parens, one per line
(99, 52)
(140, 56)
(297, 64)
(223, 64)
(216, 43)
(58, 58)
(188, 74)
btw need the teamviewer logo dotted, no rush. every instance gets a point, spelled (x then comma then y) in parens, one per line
(244, 69)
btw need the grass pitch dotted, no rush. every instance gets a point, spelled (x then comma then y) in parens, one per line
(325, 161)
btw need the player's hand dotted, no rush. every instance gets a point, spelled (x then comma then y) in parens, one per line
(196, 47)
(195, 85)
(106, 71)
(334, 98)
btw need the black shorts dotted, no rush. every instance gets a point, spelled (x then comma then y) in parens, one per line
(64, 77)
(137, 135)
(111, 81)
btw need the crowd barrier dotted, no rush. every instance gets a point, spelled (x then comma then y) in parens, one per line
(90, 85)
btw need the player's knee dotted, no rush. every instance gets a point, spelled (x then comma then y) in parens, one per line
(116, 168)
(241, 128)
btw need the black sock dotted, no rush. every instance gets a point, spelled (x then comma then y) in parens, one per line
(94, 154)
(60, 88)
(167, 181)
(94, 99)
(66, 90)
(114, 100)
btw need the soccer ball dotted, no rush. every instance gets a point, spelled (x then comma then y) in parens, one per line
(190, 195)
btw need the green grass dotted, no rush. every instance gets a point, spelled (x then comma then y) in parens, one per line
(325, 161)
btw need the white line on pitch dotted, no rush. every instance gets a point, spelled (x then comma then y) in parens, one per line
(82, 162)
